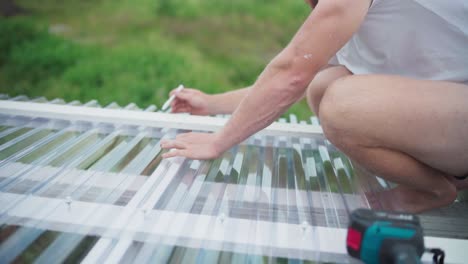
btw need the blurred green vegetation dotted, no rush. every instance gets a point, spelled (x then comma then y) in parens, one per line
(137, 51)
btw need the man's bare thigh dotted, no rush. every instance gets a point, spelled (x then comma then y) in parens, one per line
(425, 119)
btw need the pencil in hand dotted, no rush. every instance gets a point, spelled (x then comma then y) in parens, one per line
(169, 101)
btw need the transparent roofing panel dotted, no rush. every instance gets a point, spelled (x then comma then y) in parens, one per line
(83, 190)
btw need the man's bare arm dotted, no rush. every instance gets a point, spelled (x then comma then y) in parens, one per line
(285, 79)
(226, 103)
(197, 102)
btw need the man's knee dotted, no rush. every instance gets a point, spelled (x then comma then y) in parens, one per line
(319, 85)
(339, 107)
(315, 92)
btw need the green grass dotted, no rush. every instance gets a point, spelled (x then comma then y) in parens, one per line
(137, 51)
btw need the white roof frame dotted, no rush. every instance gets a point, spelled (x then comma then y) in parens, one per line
(140, 118)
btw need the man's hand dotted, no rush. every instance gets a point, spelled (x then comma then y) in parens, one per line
(191, 101)
(200, 146)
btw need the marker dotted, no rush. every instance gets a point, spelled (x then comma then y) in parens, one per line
(169, 101)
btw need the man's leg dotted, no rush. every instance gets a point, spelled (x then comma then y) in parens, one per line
(411, 132)
(321, 81)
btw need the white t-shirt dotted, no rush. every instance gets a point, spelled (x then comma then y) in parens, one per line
(422, 39)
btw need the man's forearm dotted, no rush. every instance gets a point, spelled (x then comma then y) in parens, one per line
(285, 79)
(226, 103)
(265, 101)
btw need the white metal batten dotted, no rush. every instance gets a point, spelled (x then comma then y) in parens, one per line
(140, 118)
(67, 218)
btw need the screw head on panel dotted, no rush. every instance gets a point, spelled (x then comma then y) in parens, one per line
(305, 227)
(222, 217)
(68, 201)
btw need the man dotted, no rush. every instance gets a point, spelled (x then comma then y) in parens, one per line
(389, 82)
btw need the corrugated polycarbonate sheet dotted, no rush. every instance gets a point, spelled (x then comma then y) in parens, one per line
(78, 190)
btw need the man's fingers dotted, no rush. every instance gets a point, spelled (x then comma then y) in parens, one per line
(168, 144)
(185, 90)
(170, 154)
(173, 91)
(179, 104)
(183, 136)
(176, 105)
(183, 96)
(180, 110)
(175, 153)
(192, 146)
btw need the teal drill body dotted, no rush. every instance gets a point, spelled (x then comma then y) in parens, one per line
(382, 237)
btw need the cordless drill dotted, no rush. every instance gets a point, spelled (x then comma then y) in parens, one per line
(383, 237)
